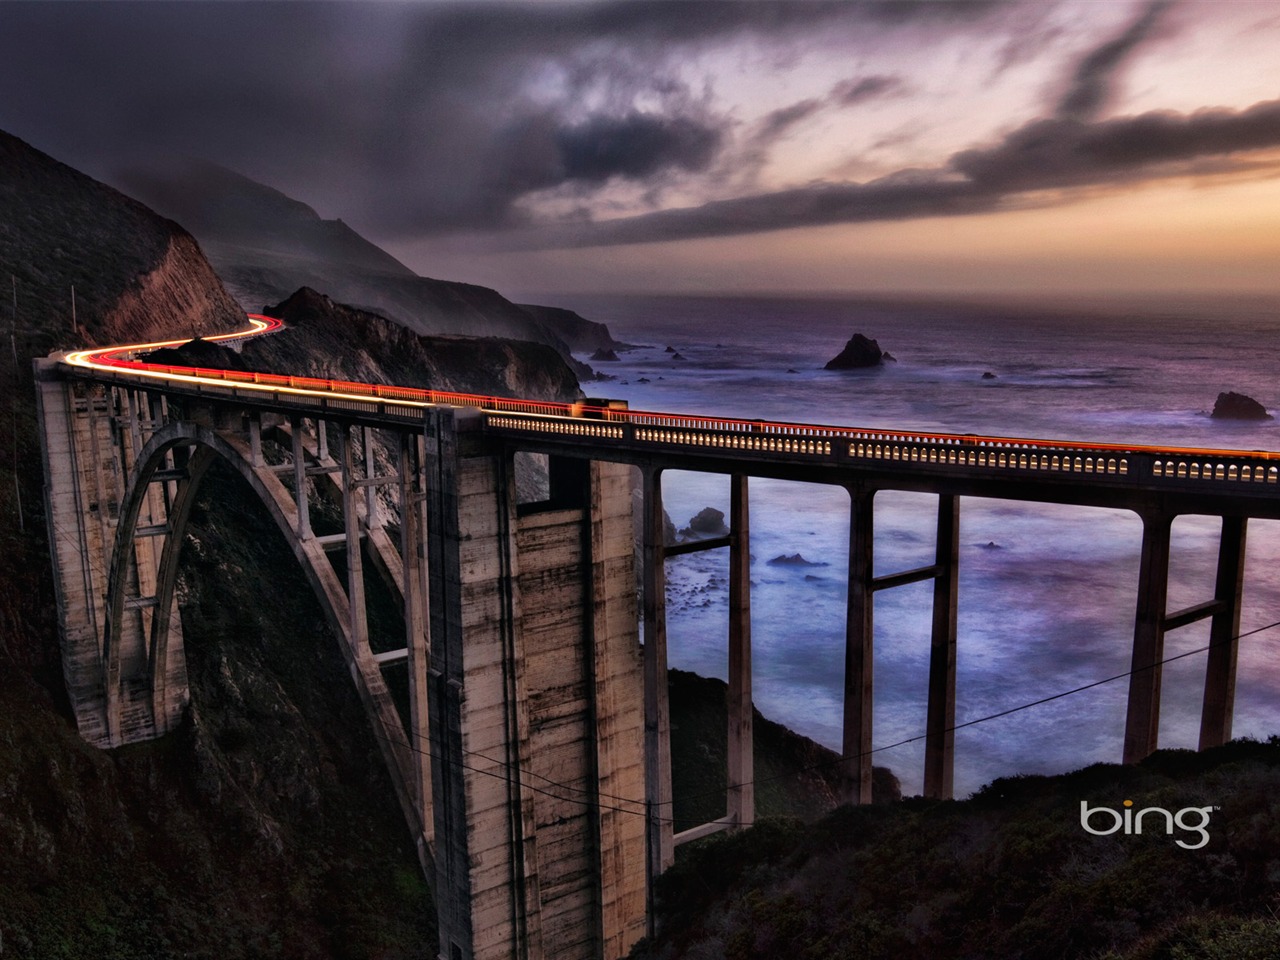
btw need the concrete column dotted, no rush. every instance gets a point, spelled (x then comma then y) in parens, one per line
(300, 479)
(657, 713)
(255, 439)
(75, 547)
(741, 795)
(859, 629)
(617, 721)
(939, 750)
(1142, 725)
(451, 891)
(356, 610)
(1224, 633)
(417, 629)
(372, 516)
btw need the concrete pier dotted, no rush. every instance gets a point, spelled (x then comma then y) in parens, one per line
(538, 700)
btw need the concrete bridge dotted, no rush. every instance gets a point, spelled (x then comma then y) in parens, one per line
(533, 761)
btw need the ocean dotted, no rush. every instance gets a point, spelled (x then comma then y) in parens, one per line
(1047, 592)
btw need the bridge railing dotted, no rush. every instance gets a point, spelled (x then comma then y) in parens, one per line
(610, 421)
(1115, 463)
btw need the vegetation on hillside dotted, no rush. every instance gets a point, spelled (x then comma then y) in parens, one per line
(794, 776)
(1007, 874)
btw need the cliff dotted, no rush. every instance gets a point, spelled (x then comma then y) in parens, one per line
(136, 275)
(266, 245)
(328, 339)
(577, 331)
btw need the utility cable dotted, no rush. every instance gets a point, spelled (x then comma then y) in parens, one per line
(816, 766)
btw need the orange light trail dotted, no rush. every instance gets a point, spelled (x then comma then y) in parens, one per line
(115, 359)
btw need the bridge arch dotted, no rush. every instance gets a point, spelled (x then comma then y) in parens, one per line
(139, 662)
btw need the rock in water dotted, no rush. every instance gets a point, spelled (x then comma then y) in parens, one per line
(794, 560)
(708, 523)
(605, 355)
(860, 351)
(1236, 406)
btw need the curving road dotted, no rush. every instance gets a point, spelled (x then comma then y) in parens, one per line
(685, 430)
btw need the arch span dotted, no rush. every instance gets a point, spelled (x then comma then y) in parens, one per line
(144, 671)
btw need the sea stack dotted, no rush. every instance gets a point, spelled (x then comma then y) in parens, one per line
(859, 352)
(1237, 406)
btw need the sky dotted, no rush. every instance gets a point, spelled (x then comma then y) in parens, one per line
(1043, 147)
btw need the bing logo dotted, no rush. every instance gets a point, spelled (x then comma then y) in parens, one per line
(1192, 820)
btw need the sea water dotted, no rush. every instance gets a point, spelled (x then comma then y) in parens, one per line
(1047, 592)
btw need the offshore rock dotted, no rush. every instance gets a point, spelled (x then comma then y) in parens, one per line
(1237, 406)
(605, 355)
(794, 560)
(708, 523)
(859, 352)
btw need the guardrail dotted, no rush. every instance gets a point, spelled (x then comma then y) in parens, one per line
(610, 421)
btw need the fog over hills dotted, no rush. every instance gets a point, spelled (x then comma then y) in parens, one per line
(265, 245)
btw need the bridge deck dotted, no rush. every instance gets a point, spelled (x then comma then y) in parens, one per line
(1175, 480)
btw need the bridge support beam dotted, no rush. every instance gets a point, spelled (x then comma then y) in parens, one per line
(357, 612)
(939, 751)
(300, 480)
(741, 804)
(417, 627)
(1224, 632)
(1142, 723)
(536, 700)
(858, 659)
(657, 711)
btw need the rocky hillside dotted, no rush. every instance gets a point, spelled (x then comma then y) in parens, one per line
(328, 339)
(233, 837)
(135, 274)
(795, 776)
(581, 334)
(265, 245)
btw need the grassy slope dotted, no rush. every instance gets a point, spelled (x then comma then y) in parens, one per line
(1006, 874)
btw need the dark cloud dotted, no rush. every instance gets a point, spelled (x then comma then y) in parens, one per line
(635, 146)
(1068, 153)
(404, 118)
(849, 93)
(1045, 155)
(1091, 84)
(779, 121)
(775, 125)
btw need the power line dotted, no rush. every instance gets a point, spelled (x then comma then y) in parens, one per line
(826, 763)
